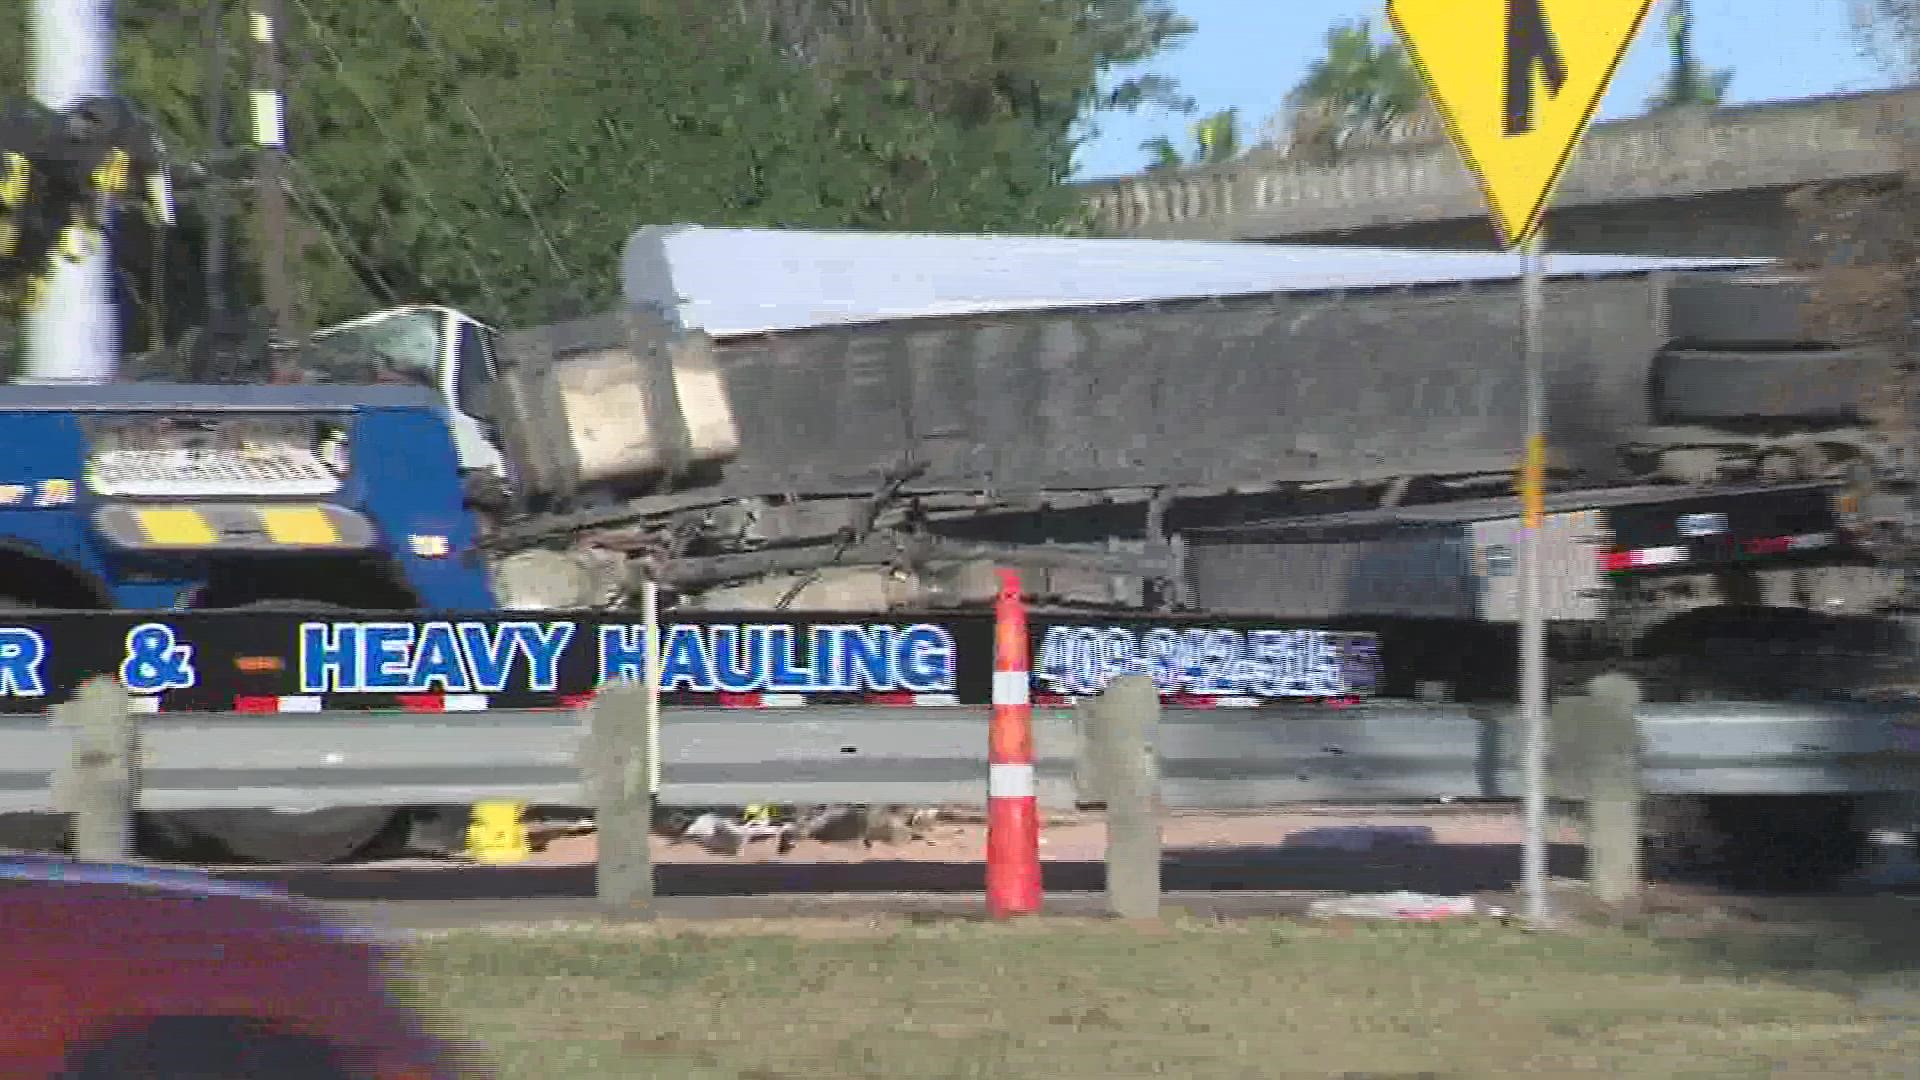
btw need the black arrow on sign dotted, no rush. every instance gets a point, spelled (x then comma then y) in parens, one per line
(1530, 45)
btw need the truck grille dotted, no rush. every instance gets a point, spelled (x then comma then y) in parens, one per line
(268, 470)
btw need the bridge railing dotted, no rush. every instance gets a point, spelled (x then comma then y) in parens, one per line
(1751, 147)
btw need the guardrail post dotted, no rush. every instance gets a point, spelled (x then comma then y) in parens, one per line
(622, 774)
(1121, 729)
(618, 775)
(99, 784)
(1596, 742)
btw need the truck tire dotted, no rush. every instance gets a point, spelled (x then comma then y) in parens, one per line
(206, 1048)
(328, 835)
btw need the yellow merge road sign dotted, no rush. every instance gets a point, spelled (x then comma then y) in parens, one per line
(1517, 82)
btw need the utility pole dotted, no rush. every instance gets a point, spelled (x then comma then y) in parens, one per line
(268, 94)
(73, 334)
(213, 200)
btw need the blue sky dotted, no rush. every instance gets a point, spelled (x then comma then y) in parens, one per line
(1246, 54)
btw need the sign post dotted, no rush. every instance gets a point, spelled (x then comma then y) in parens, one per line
(1517, 83)
(1533, 630)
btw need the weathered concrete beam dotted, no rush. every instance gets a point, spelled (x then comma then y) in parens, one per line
(1753, 147)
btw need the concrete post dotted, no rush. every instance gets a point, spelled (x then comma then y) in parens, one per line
(618, 774)
(1121, 729)
(72, 334)
(99, 787)
(1597, 761)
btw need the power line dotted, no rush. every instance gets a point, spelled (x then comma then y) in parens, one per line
(321, 35)
(334, 231)
(486, 138)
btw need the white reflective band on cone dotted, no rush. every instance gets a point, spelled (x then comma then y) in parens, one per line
(1010, 688)
(1009, 781)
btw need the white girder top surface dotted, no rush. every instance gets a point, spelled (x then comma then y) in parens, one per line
(747, 281)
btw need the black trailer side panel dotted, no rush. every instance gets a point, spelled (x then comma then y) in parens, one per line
(1429, 575)
(1206, 392)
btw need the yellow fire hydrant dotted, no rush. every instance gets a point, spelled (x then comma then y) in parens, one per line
(497, 834)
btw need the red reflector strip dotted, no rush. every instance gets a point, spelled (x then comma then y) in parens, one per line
(1208, 701)
(761, 701)
(1780, 545)
(921, 701)
(1190, 701)
(444, 703)
(458, 703)
(313, 703)
(1643, 557)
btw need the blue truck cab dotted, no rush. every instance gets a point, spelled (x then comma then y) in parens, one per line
(165, 496)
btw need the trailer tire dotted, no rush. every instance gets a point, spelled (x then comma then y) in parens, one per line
(1784, 843)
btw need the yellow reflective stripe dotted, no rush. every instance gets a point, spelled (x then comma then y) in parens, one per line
(110, 177)
(308, 526)
(175, 528)
(14, 175)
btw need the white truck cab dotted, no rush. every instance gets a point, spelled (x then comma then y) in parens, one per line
(427, 344)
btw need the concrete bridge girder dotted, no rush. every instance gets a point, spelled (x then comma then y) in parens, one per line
(1710, 183)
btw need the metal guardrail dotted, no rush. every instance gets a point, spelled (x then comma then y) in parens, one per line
(1216, 759)
(1776, 749)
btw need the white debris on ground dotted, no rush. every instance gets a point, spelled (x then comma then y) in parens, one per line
(1891, 861)
(1403, 906)
(728, 832)
(724, 836)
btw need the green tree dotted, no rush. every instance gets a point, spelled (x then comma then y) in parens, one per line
(1162, 154)
(1888, 33)
(1216, 139)
(499, 163)
(1363, 91)
(1688, 84)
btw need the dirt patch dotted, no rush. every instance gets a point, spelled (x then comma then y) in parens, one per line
(1082, 838)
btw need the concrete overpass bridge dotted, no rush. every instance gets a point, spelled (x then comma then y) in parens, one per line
(1711, 183)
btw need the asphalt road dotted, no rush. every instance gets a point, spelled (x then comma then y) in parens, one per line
(1240, 881)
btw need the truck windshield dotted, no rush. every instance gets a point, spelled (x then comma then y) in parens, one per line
(397, 348)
